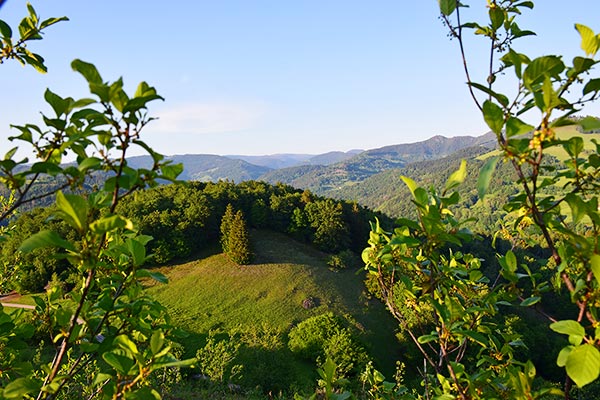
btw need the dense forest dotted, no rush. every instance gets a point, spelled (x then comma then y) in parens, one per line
(184, 219)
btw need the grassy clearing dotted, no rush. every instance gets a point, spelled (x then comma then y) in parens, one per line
(213, 292)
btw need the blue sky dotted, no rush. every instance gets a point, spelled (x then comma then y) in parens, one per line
(280, 76)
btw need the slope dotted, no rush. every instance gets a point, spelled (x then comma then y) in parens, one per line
(212, 292)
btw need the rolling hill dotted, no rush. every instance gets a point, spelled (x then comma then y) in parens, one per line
(212, 292)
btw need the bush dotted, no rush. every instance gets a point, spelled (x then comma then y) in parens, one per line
(216, 358)
(324, 336)
(343, 260)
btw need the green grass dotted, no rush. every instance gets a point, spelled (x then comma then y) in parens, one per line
(212, 292)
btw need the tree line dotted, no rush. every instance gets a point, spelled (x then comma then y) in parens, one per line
(185, 218)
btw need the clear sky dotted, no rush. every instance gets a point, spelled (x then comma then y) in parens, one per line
(274, 76)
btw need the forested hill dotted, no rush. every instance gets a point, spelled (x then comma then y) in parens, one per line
(278, 161)
(208, 167)
(327, 179)
(387, 193)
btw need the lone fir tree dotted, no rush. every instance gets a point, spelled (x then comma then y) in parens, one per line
(234, 236)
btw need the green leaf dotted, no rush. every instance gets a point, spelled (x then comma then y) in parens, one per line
(119, 362)
(551, 99)
(528, 4)
(127, 344)
(561, 360)
(493, 116)
(110, 223)
(43, 239)
(573, 329)
(18, 388)
(58, 104)
(51, 21)
(427, 338)
(583, 364)
(89, 163)
(137, 252)
(412, 185)
(73, 209)
(89, 71)
(595, 266)
(36, 61)
(496, 17)
(179, 363)
(477, 337)
(139, 103)
(514, 127)
(590, 42)
(171, 171)
(530, 301)
(82, 103)
(512, 58)
(574, 146)
(593, 85)
(485, 176)
(577, 205)
(511, 261)
(49, 168)
(157, 276)
(502, 99)
(540, 68)
(157, 341)
(5, 30)
(457, 177)
(447, 7)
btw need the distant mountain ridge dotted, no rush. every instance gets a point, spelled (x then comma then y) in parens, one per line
(208, 167)
(329, 178)
(322, 173)
(278, 161)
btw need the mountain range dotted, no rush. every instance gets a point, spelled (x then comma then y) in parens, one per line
(322, 173)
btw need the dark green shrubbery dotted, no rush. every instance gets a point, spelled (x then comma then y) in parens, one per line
(345, 259)
(324, 336)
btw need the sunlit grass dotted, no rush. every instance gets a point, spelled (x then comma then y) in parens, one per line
(213, 292)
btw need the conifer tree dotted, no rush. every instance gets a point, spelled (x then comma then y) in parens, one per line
(238, 241)
(226, 224)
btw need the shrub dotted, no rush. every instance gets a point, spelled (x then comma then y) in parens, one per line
(343, 260)
(322, 337)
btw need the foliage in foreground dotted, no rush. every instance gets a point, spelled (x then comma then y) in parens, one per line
(468, 352)
(109, 327)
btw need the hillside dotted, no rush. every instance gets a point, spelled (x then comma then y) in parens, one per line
(328, 179)
(214, 293)
(387, 193)
(208, 167)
